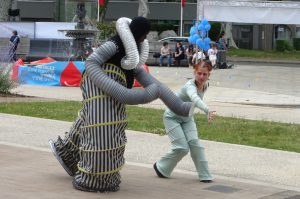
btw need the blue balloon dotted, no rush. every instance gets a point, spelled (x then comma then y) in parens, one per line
(206, 47)
(201, 27)
(207, 40)
(204, 22)
(207, 27)
(195, 37)
(200, 43)
(193, 30)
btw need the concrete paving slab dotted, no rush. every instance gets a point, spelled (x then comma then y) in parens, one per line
(35, 174)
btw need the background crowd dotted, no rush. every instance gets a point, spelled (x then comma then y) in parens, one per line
(216, 54)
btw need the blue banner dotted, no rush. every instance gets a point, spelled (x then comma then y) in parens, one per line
(59, 73)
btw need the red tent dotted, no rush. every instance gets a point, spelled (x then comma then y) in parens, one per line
(42, 61)
(15, 69)
(136, 83)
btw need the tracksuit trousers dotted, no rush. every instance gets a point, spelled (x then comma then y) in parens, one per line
(184, 138)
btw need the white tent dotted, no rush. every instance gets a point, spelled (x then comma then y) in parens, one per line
(263, 12)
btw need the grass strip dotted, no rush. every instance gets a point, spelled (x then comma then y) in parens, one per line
(260, 54)
(265, 134)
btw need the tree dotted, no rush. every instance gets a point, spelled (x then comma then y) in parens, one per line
(228, 33)
(4, 6)
(143, 8)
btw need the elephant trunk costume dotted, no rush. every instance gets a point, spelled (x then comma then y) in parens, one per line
(93, 150)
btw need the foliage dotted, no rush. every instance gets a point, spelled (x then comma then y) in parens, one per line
(264, 134)
(296, 43)
(283, 45)
(6, 84)
(162, 27)
(107, 30)
(215, 31)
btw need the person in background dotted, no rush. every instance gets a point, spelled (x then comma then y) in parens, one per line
(222, 44)
(182, 131)
(14, 42)
(198, 57)
(165, 52)
(179, 53)
(189, 54)
(212, 54)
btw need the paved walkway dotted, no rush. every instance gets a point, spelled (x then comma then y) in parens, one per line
(30, 171)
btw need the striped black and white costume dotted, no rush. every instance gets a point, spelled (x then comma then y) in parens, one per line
(103, 136)
(93, 150)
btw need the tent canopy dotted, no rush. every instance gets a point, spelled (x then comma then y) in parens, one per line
(263, 12)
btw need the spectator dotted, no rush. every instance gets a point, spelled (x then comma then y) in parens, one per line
(201, 56)
(179, 53)
(14, 41)
(212, 54)
(222, 41)
(165, 52)
(189, 54)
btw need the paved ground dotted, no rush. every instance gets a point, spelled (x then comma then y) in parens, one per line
(39, 176)
(30, 171)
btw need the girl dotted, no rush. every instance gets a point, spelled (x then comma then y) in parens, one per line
(182, 131)
(212, 53)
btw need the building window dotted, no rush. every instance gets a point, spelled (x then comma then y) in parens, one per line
(297, 35)
(282, 32)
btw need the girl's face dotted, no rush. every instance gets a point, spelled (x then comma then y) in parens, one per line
(201, 75)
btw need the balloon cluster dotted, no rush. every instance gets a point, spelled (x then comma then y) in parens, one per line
(199, 35)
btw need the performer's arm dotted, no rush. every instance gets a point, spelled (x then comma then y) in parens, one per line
(111, 87)
(166, 95)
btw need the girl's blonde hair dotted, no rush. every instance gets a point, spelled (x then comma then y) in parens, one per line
(203, 64)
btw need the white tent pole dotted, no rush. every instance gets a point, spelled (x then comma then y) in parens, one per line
(181, 19)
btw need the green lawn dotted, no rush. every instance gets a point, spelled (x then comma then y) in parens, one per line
(287, 55)
(230, 130)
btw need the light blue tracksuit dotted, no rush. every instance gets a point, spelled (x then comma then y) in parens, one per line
(183, 135)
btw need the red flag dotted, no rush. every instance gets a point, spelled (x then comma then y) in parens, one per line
(182, 3)
(101, 2)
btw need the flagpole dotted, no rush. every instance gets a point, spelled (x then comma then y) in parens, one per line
(181, 19)
(98, 18)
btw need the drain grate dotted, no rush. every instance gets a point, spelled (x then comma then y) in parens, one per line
(222, 189)
(293, 197)
(283, 195)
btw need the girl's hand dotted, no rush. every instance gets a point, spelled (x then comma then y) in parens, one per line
(211, 116)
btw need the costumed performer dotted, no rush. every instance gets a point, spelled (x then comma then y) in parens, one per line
(93, 150)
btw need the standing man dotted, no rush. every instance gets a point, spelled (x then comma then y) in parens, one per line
(14, 41)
